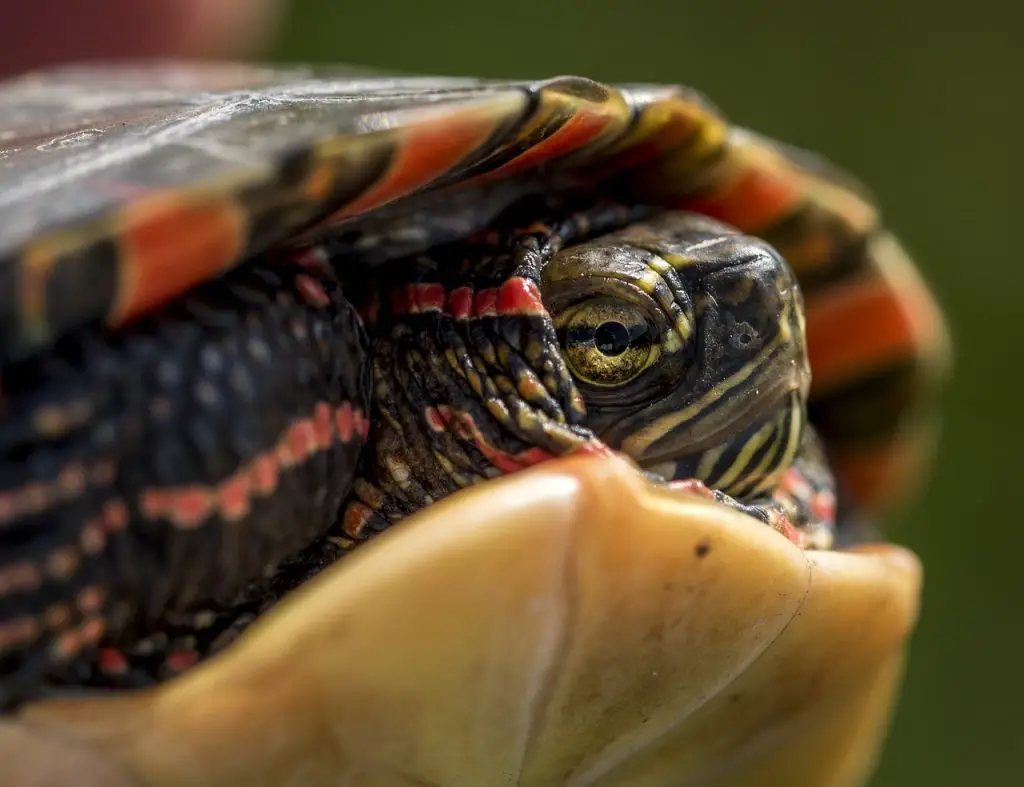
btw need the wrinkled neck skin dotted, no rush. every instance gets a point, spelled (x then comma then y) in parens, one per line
(483, 367)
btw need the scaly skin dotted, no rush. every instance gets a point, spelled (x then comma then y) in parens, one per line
(245, 405)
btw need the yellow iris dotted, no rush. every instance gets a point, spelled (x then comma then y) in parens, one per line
(608, 343)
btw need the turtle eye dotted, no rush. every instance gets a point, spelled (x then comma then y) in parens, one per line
(608, 343)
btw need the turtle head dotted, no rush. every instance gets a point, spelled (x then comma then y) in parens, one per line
(686, 340)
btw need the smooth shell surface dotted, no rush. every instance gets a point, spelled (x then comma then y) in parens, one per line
(569, 625)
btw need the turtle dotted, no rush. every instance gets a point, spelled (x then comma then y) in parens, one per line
(276, 335)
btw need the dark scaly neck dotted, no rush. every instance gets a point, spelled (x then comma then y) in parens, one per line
(468, 384)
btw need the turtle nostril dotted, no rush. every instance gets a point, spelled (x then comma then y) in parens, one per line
(743, 336)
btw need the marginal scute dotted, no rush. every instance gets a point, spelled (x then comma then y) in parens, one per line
(483, 643)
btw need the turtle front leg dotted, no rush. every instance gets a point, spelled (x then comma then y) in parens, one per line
(167, 465)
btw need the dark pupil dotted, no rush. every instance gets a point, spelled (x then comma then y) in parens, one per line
(612, 338)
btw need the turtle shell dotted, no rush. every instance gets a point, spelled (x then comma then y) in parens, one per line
(704, 653)
(124, 186)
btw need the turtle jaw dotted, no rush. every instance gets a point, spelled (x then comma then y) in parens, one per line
(739, 438)
(744, 452)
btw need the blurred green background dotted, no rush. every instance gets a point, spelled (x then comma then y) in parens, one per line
(923, 101)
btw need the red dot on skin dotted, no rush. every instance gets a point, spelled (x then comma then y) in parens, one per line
(264, 471)
(181, 660)
(344, 421)
(322, 425)
(192, 507)
(112, 662)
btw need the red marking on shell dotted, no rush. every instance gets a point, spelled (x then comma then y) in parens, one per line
(189, 507)
(878, 474)
(19, 631)
(485, 303)
(587, 123)
(312, 291)
(519, 297)
(181, 660)
(755, 198)
(461, 303)
(425, 150)
(168, 245)
(112, 662)
(892, 321)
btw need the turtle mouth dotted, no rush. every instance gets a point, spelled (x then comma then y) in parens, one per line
(725, 427)
(739, 445)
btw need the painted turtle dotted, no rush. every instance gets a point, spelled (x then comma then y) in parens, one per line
(252, 317)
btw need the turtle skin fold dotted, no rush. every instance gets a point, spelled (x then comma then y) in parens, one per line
(513, 634)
